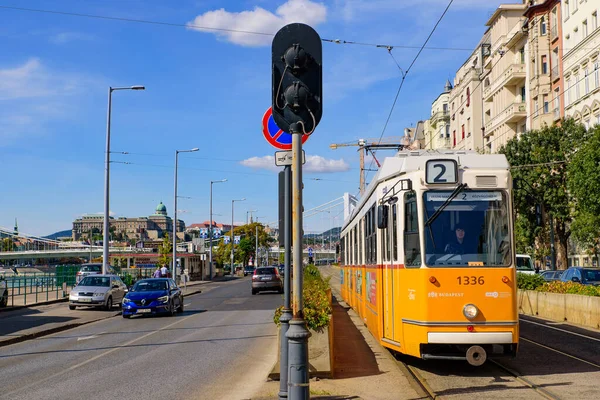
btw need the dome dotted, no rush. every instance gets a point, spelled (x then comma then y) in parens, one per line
(161, 209)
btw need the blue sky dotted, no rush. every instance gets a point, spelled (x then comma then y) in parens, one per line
(203, 89)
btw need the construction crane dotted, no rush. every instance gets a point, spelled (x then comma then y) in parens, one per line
(367, 145)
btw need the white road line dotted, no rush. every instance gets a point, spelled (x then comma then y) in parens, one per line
(87, 337)
(119, 347)
(561, 330)
(187, 304)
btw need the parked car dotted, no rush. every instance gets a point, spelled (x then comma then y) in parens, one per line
(153, 296)
(88, 269)
(583, 275)
(266, 278)
(550, 276)
(98, 291)
(3, 292)
(248, 270)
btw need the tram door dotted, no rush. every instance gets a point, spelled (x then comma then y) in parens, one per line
(388, 238)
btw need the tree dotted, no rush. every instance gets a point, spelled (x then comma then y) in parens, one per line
(586, 231)
(165, 249)
(539, 161)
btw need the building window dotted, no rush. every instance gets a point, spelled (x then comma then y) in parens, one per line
(575, 6)
(522, 94)
(468, 97)
(594, 20)
(566, 9)
(584, 29)
(535, 107)
(463, 131)
(522, 55)
(597, 74)
(543, 27)
(445, 108)
(568, 92)
(453, 138)
(546, 105)
(544, 64)
(448, 131)
(577, 93)
(468, 127)
(587, 81)
(557, 102)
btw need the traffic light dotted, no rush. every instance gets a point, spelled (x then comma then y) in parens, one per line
(297, 77)
(538, 215)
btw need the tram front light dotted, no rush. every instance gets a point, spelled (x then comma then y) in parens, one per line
(470, 311)
(432, 279)
(505, 279)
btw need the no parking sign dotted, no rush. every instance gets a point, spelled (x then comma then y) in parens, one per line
(275, 136)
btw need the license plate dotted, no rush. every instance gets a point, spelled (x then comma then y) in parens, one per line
(143, 310)
(266, 278)
(85, 300)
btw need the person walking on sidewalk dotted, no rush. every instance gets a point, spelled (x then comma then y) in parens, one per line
(164, 271)
(157, 273)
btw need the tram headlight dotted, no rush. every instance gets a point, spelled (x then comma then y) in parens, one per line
(470, 311)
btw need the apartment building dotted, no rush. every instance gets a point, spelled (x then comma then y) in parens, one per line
(466, 101)
(544, 63)
(581, 64)
(437, 127)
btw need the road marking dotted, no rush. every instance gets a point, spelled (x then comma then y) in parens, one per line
(561, 330)
(187, 304)
(98, 356)
(87, 337)
(560, 352)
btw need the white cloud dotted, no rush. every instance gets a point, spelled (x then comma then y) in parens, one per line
(313, 164)
(259, 20)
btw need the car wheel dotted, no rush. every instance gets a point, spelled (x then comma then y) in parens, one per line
(172, 309)
(109, 304)
(180, 309)
(4, 300)
(126, 316)
(254, 291)
(72, 307)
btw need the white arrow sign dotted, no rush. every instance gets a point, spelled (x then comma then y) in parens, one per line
(283, 158)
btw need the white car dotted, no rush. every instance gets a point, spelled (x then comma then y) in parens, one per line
(98, 291)
(524, 264)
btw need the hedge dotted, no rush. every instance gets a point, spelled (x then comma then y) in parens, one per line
(317, 309)
(536, 282)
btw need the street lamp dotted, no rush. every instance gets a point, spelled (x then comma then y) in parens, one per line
(248, 221)
(233, 201)
(210, 233)
(105, 240)
(175, 210)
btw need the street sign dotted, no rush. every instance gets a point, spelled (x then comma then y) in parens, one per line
(310, 251)
(283, 158)
(276, 137)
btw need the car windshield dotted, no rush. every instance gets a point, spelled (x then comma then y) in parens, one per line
(472, 230)
(265, 271)
(524, 264)
(591, 275)
(90, 268)
(249, 268)
(95, 281)
(149, 286)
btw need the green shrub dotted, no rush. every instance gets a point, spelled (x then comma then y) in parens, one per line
(317, 309)
(569, 288)
(529, 281)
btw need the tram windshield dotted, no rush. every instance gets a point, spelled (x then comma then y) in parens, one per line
(472, 230)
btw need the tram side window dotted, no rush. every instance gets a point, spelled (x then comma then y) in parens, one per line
(343, 250)
(394, 233)
(361, 243)
(412, 246)
(356, 261)
(373, 236)
(368, 237)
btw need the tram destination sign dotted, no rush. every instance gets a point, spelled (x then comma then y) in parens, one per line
(465, 196)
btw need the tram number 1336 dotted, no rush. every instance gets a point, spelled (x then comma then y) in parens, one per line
(470, 280)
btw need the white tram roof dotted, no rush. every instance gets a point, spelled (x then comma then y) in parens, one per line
(405, 161)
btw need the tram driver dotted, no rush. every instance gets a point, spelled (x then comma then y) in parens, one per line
(459, 244)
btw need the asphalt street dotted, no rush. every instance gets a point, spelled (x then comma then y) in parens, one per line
(221, 347)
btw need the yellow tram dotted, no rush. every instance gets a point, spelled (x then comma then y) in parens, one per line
(428, 256)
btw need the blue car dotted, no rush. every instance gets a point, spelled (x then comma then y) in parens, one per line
(153, 296)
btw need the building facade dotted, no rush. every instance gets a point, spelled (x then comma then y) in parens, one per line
(152, 227)
(504, 77)
(581, 64)
(437, 127)
(466, 103)
(544, 64)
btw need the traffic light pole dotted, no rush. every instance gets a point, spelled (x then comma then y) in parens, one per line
(297, 334)
(286, 314)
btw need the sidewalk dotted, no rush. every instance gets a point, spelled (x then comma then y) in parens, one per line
(363, 369)
(18, 324)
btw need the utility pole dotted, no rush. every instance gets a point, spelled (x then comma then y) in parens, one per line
(297, 95)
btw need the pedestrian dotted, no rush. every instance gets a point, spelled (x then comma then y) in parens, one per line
(164, 271)
(157, 273)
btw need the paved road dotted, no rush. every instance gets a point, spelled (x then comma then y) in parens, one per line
(222, 347)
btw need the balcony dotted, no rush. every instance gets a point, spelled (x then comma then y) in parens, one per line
(440, 116)
(553, 33)
(512, 113)
(509, 77)
(554, 73)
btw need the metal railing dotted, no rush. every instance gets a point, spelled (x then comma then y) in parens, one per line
(554, 72)
(553, 32)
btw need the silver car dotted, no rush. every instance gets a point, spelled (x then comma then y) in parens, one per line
(98, 291)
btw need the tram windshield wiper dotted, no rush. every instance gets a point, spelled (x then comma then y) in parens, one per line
(445, 204)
